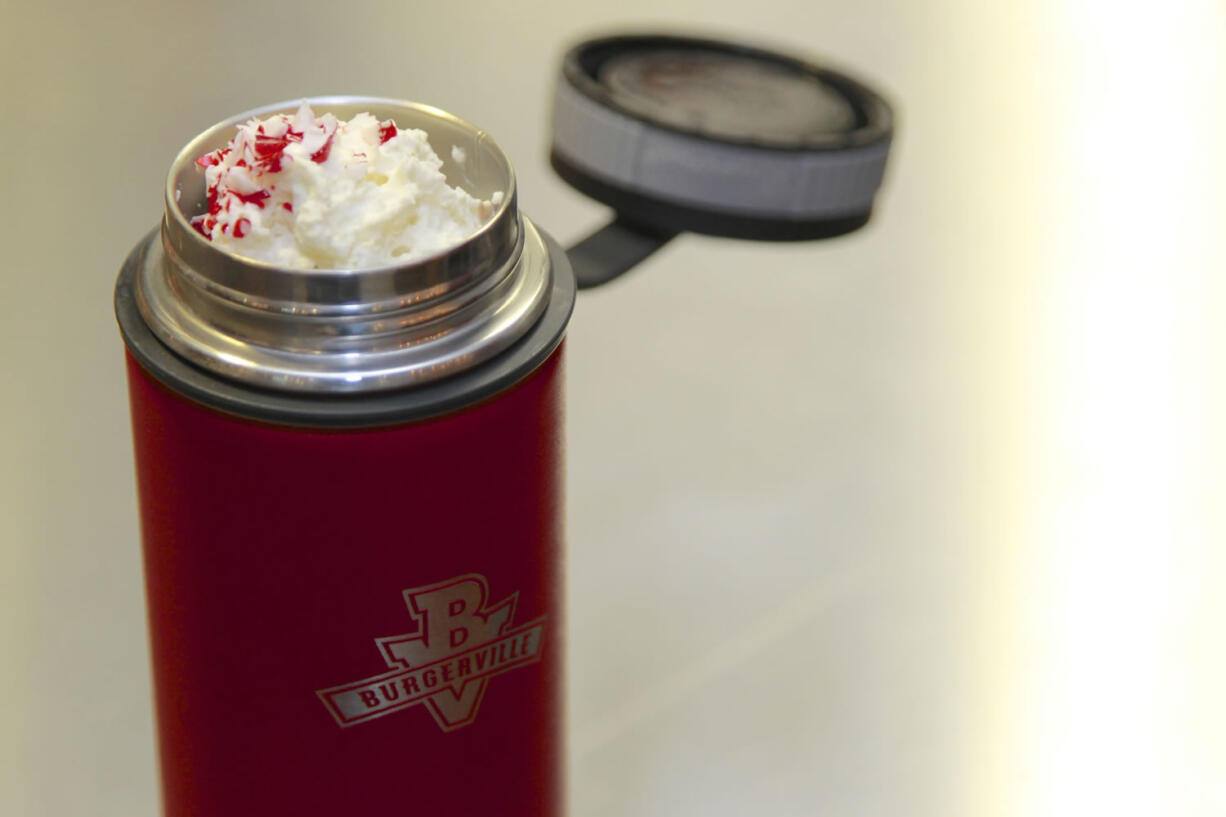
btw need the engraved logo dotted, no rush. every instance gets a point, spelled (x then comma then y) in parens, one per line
(446, 663)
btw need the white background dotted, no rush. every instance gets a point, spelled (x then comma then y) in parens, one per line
(922, 520)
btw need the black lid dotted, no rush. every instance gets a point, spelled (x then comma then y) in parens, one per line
(679, 133)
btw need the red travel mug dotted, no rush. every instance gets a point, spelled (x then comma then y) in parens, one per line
(349, 488)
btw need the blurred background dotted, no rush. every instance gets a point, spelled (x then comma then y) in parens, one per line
(922, 520)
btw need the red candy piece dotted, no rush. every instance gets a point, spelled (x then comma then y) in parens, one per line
(268, 150)
(256, 198)
(320, 156)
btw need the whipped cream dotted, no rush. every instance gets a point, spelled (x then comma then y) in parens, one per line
(319, 193)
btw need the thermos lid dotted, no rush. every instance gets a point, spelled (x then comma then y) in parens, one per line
(683, 134)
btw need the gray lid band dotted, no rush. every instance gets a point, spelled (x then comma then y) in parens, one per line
(733, 177)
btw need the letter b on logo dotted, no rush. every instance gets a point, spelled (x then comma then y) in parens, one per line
(453, 617)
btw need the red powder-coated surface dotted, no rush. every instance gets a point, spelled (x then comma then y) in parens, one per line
(274, 558)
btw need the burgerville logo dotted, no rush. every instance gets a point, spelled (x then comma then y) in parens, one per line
(445, 665)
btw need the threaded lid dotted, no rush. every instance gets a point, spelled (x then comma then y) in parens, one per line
(711, 137)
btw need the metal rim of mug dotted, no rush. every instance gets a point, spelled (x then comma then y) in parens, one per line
(349, 410)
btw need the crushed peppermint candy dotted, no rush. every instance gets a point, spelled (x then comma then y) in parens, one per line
(319, 193)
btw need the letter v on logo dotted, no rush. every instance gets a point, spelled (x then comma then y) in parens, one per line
(447, 662)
